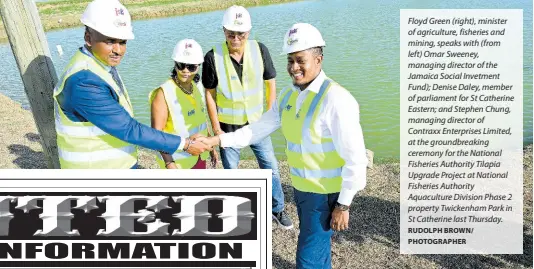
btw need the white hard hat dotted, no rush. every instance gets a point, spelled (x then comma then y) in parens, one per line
(302, 36)
(110, 18)
(188, 51)
(237, 18)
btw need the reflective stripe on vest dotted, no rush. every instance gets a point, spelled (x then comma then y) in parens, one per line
(76, 131)
(315, 165)
(187, 119)
(239, 102)
(102, 155)
(82, 144)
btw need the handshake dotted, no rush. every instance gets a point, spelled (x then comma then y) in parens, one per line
(197, 144)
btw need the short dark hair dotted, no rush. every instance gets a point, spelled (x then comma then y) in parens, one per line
(317, 51)
(90, 31)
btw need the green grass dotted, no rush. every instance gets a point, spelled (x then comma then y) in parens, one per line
(157, 2)
(385, 160)
(70, 11)
(60, 9)
(69, 6)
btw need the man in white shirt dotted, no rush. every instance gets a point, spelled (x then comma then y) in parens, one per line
(325, 146)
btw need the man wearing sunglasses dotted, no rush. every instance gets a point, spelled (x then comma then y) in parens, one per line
(234, 75)
(93, 113)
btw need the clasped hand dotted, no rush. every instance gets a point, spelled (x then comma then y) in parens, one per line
(197, 144)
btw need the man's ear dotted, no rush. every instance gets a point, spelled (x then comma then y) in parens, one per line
(87, 37)
(319, 59)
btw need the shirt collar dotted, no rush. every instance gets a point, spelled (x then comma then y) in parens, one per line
(90, 54)
(315, 86)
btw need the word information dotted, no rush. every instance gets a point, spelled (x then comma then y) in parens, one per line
(461, 84)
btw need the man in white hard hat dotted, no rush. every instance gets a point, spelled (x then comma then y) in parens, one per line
(325, 146)
(234, 75)
(93, 113)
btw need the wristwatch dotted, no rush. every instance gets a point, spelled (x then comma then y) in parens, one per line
(341, 207)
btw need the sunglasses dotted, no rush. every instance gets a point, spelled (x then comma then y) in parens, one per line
(231, 34)
(190, 67)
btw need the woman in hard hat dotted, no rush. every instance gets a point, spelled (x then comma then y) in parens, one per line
(177, 107)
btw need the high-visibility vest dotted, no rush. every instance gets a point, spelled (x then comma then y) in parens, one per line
(187, 117)
(82, 144)
(239, 103)
(315, 165)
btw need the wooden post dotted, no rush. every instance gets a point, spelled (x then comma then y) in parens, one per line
(28, 42)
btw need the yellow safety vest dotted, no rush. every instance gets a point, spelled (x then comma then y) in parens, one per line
(82, 144)
(186, 117)
(315, 165)
(239, 102)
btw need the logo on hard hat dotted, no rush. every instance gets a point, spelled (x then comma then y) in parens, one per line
(292, 31)
(119, 23)
(187, 45)
(238, 15)
(290, 41)
(119, 11)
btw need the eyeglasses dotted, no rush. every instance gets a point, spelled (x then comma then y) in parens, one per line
(190, 67)
(232, 34)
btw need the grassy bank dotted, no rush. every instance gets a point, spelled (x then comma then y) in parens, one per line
(66, 13)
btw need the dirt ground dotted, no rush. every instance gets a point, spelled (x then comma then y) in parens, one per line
(372, 240)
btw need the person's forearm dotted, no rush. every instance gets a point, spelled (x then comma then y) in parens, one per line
(252, 133)
(354, 180)
(150, 138)
(270, 88)
(347, 136)
(212, 110)
(209, 132)
(122, 126)
(351, 147)
(167, 158)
